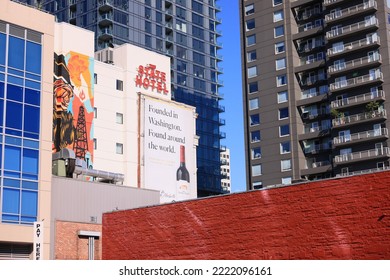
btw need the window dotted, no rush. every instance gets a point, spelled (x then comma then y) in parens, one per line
(253, 104)
(256, 153)
(253, 87)
(285, 147)
(119, 85)
(281, 63)
(251, 56)
(284, 130)
(256, 170)
(281, 80)
(252, 71)
(283, 113)
(279, 31)
(282, 96)
(251, 40)
(255, 136)
(249, 9)
(278, 15)
(250, 24)
(95, 78)
(285, 164)
(257, 185)
(119, 148)
(277, 2)
(286, 180)
(95, 113)
(94, 143)
(280, 47)
(254, 119)
(119, 118)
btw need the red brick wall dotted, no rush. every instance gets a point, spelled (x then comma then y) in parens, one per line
(70, 246)
(345, 218)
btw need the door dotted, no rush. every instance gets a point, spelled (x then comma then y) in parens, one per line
(377, 130)
(346, 154)
(345, 136)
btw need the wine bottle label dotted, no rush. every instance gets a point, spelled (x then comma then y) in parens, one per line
(182, 189)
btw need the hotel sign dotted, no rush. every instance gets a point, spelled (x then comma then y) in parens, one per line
(150, 78)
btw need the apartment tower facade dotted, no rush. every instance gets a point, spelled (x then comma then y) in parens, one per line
(315, 75)
(182, 29)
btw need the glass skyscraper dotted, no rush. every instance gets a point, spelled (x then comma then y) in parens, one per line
(182, 29)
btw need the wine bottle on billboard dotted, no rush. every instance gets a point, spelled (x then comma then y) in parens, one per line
(182, 176)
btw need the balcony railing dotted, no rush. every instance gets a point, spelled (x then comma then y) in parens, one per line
(350, 10)
(317, 148)
(356, 81)
(360, 136)
(306, 47)
(307, 129)
(320, 163)
(329, 2)
(359, 118)
(351, 28)
(363, 171)
(311, 80)
(362, 98)
(355, 63)
(385, 151)
(309, 27)
(308, 14)
(311, 94)
(314, 114)
(353, 45)
(307, 61)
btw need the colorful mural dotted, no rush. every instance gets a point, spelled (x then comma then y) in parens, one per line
(73, 107)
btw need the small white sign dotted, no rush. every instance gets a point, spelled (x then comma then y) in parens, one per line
(38, 241)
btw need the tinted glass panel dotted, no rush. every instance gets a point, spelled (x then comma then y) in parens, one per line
(32, 96)
(14, 115)
(33, 58)
(11, 201)
(2, 48)
(31, 119)
(12, 158)
(14, 92)
(30, 161)
(29, 203)
(15, 58)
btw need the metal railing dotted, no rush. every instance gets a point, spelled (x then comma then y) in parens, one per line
(356, 81)
(361, 136)
(317, 148)
(356, 62)
(312, 80)
(384, 151)
(308, 13)
(306, 61)
(350, 10)
(350, 28)
(308, 129)
(315, 113)
(320, 163)
(359, 117)
(357, 99)
(311, 94)
(304, 28)
(365, 171)
(353, 45)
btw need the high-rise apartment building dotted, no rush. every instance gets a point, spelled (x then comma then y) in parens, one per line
(225, 171)
(182, 29)
(315, 74)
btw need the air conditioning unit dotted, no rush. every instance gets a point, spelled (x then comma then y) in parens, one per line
(106, 56)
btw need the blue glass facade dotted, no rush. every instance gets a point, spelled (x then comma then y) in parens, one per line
(185, 30)
(20, 94)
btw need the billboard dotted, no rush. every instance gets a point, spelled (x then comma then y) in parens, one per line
(169, 154)
(73, 100)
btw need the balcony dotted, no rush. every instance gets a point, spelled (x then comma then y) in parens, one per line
(106, 19)
(221, 108)
(359, 118)
(307, 14)
(351, 11)
(354, 46)
(363, 155)
(358, 99)
(309, 64)
(356, 138)
(312, 80)
(222, 135)
(315, 114)
(315, 149)
(366, 171)
(222, 149)
(328, 3)
(105, 5)
(168, 14)
(355, 82)
(308, 31)
(221, 122)
(312, 97)
(306, 47)
(317, 167)
(105, 34)
(72, 5)
(350, 29)
(314, 132)
(368, 61)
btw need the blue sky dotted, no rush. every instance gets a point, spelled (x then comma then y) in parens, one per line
(232, 91)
